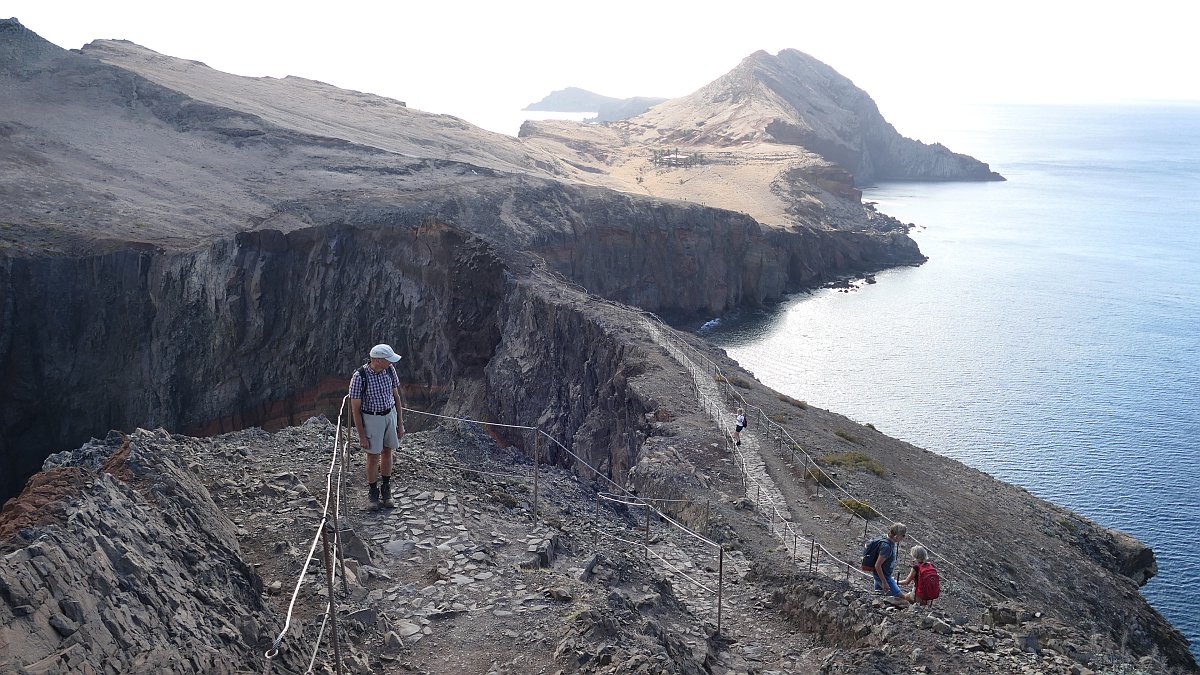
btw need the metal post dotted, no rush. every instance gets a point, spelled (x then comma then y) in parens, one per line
(333, 629)
(707, 514)
(795, 545)
(720, 586)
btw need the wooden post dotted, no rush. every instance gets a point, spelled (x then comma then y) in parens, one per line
(865, 523)
(795, 545)
(811, 547)
(537, 450)
(333, 629)
(646, 536)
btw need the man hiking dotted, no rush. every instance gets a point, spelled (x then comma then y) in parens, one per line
(375, 408)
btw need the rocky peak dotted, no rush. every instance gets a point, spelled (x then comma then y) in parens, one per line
(22, 49)
(792, 98)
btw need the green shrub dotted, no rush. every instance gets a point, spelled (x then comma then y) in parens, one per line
(860, 509)
(855, 459)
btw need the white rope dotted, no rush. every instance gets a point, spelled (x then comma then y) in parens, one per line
(796, 446)
(274, 650)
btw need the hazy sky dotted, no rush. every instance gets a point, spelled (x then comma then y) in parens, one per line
(483, 60)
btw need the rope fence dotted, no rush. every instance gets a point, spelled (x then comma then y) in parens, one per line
(708, 380)
(714, 376)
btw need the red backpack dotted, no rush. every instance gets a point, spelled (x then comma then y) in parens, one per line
(929, 586)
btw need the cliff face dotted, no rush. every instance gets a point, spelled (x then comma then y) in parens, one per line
(263, 328)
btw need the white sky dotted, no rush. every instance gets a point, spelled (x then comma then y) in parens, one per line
(482, 60)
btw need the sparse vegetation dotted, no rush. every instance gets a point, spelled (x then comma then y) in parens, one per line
(859, 508)
(735, 380)
(855, 460)
(778, 418)
(793, 401)
(504, 498)
(817, 474)
(847, 436)
(870, 426)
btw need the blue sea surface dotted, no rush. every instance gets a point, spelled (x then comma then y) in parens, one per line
(1053, 338)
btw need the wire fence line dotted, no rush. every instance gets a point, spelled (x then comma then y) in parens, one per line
(684, 352)
(336, 494)
(708, 380)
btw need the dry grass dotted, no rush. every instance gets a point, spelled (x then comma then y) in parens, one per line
(793, 401)
(859, 508)
(855, 460)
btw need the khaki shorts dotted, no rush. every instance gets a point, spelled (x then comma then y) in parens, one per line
(381, 431)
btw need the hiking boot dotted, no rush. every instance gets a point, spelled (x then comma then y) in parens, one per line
(385, 496)
(373, 497)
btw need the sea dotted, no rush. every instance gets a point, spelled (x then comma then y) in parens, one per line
(1052, 340)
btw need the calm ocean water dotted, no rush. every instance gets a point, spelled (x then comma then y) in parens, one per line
(1053, 338)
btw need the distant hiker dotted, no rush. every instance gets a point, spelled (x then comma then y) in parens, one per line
(879, 558)
(740, 424)
(927, 586)
(375, 409)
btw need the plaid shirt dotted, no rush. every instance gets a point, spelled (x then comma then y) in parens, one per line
(379, 388)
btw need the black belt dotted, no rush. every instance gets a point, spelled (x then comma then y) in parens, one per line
(368, 412)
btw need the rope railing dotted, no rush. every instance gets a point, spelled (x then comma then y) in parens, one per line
(713, 407)
(764, 418)
(321, 532)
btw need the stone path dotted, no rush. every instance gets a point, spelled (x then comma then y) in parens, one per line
(761, 488)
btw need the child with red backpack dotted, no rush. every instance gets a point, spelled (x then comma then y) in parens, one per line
(927, 586)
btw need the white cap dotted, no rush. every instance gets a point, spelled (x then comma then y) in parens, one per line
(384, 352)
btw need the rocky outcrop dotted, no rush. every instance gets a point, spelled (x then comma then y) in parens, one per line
(127, 566)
